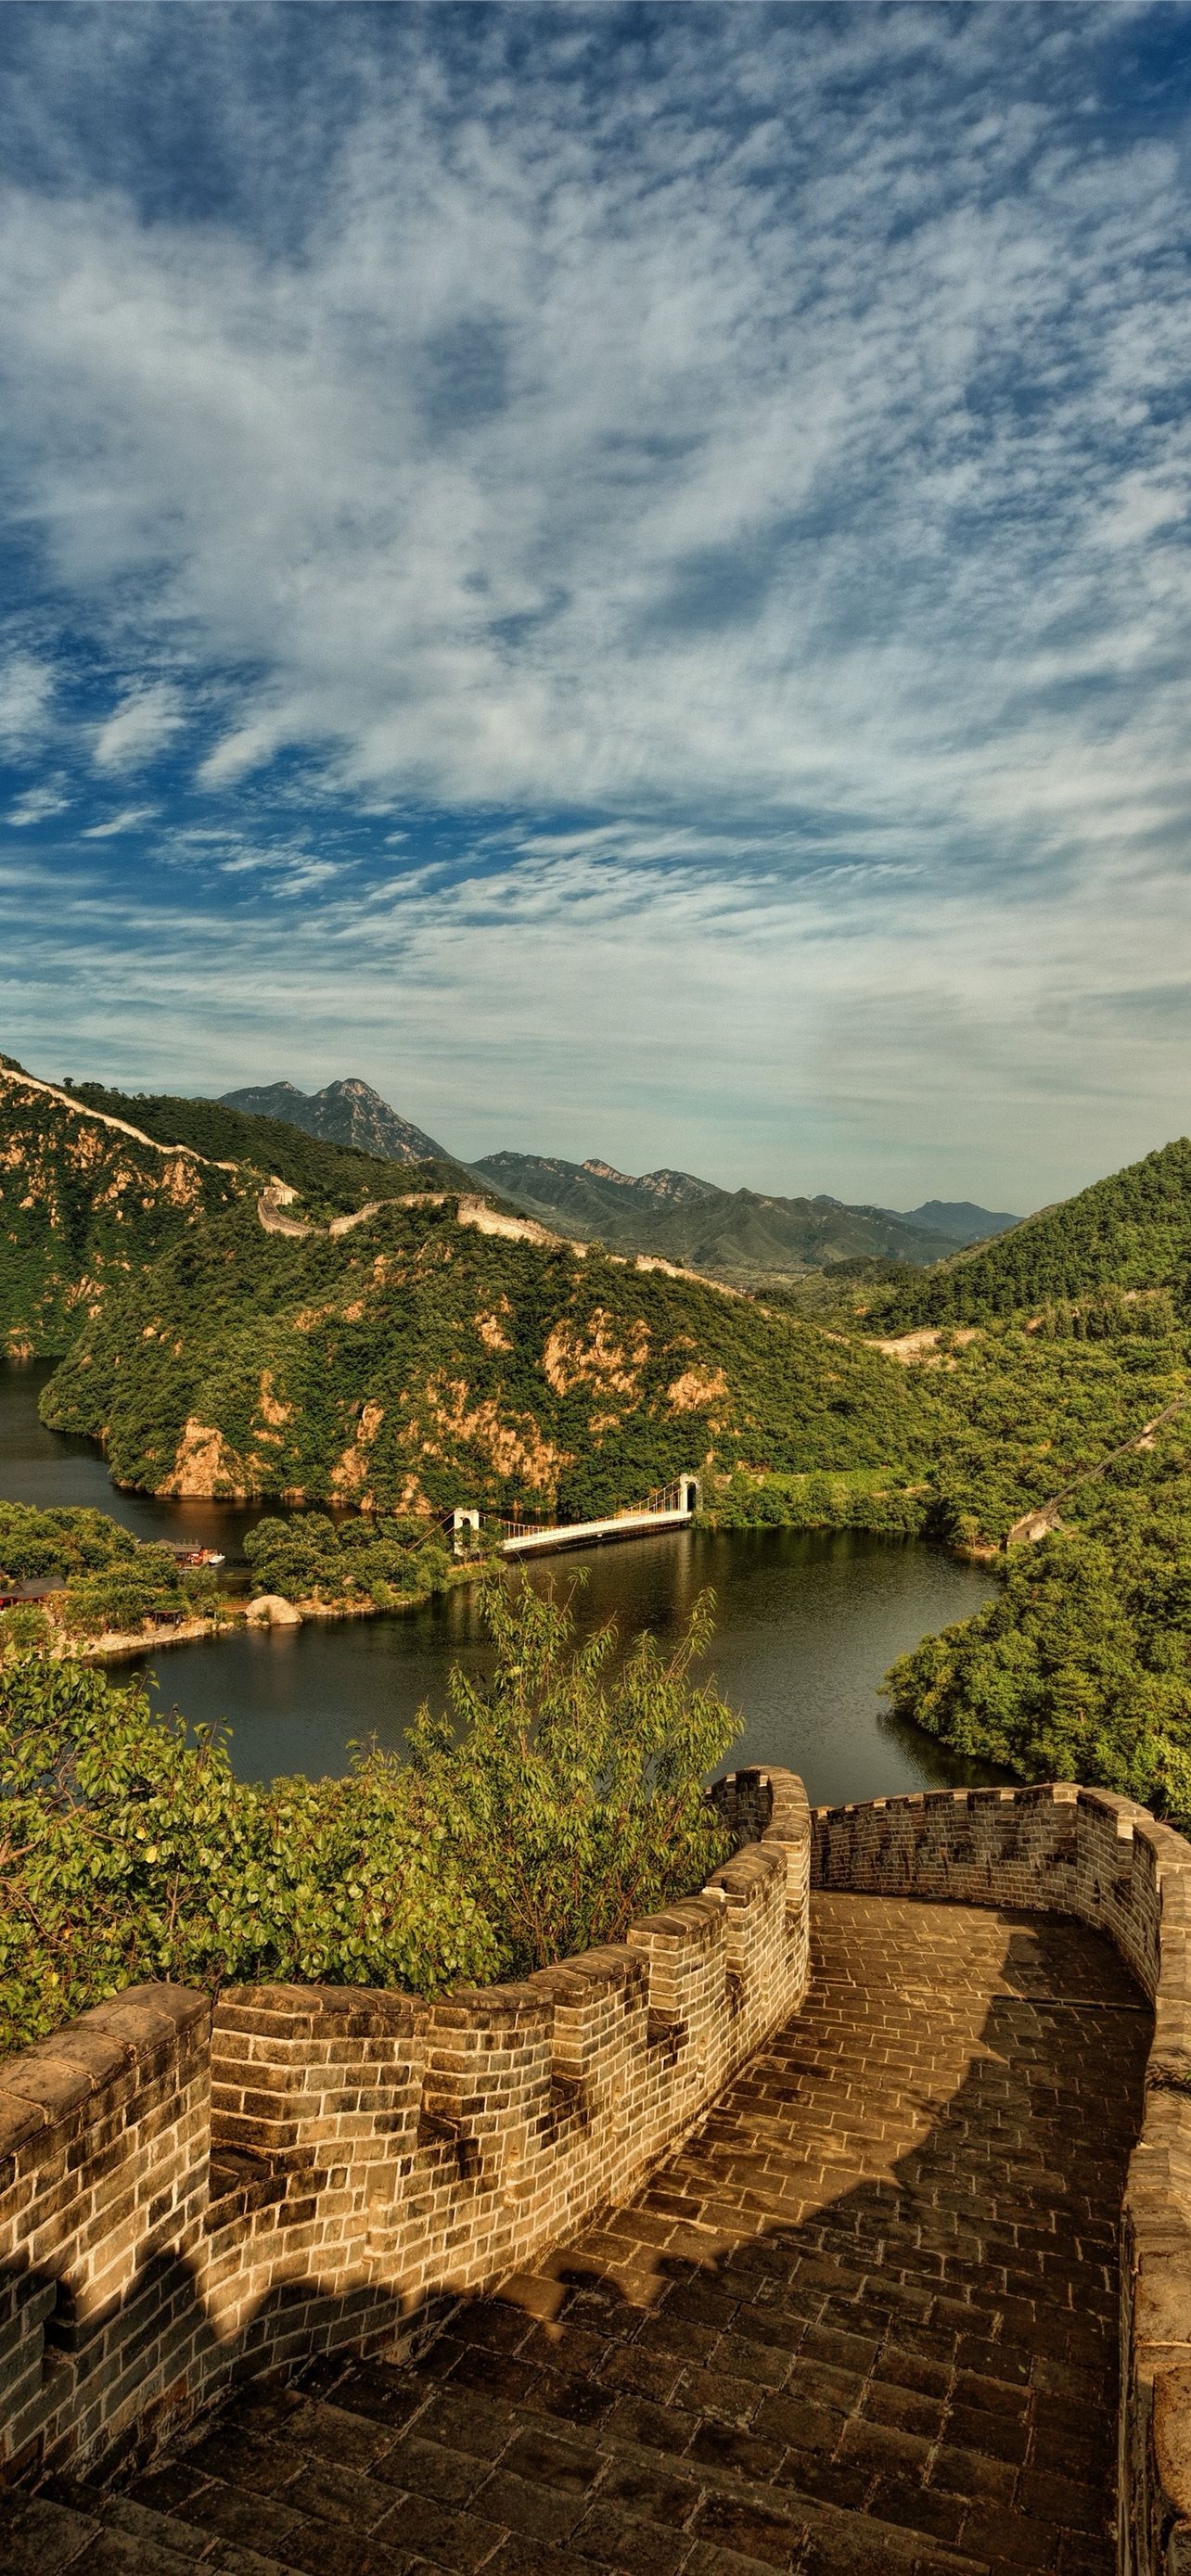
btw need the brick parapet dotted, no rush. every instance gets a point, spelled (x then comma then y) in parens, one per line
(183, 2194)
(1060, 1849)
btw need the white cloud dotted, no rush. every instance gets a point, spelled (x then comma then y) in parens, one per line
(37, 805)
(247, 748)
(775, 446)
(553, 468)
(130, 820)
(26, 691)
(142, 725)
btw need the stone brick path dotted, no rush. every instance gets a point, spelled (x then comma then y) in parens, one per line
(864, 2321)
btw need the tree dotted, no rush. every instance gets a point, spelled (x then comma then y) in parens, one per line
(569, 1787)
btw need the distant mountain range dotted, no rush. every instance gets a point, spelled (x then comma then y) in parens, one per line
(960, 1221)
(346, 1113)
(733, 1233)
(740, 1235)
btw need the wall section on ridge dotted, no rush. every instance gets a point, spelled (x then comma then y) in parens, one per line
(187, 2196)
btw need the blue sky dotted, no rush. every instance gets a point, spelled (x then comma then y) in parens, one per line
(620, 572)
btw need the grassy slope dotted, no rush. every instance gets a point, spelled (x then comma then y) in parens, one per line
(416, 1358)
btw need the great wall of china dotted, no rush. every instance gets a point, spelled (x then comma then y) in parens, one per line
(660, 2257)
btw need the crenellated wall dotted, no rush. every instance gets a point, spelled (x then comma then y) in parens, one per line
(185, 2195)
(1082, 1852)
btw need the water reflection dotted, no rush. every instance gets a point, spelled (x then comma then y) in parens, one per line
(806, 1625)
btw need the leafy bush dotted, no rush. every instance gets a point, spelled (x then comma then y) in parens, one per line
(130, 1851)
(568, 1788)
(555, 1802)
(64, 1541)
(24, 1630)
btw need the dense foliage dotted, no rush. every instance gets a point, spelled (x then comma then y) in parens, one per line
(1024, 1407)
(111, 1581)
(415, 1361)
(313, 1558)
(869, 1499)
(128, 1852)
(569, 1788)
(1081, 1666)
(1130, 1231)
(554, 1802)
(83, 1207)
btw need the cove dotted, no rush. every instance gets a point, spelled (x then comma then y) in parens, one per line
(806, 1624)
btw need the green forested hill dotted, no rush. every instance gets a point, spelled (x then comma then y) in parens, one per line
(1130, 1231)
(84, 1204)
(418, 1361)
(95, 1183)
(1080, 1668)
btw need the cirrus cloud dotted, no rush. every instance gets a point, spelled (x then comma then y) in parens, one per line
(707, 450)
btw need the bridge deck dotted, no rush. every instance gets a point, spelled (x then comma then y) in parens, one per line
(864, 2320)
(592, 1533)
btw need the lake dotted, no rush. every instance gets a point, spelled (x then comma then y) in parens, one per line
(806, 1624)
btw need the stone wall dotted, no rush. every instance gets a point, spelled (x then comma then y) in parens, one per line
(184, 2196)
(1082, 1852)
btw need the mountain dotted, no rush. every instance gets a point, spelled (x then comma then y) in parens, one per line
(1132, 1231)
(345, 1113)
(293, 1317)
(332, 1177)
(959, 1220)
(95, 1183)
(86, 1202)
(416, 1359)
(733, 1234)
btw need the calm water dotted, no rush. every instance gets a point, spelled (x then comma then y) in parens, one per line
(806, 1625)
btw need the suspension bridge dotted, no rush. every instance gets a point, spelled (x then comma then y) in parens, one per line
(668, 1507)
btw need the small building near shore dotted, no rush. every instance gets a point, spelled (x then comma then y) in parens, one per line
(42, 1588)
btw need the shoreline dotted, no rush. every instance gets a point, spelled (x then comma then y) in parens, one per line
(122, 1646)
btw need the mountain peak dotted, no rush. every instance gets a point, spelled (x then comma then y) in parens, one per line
(348, 1112)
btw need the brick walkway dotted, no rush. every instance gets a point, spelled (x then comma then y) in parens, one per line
(864, 2321)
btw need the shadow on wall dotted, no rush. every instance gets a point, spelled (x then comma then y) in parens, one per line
(184, 2194)
(866, 2316)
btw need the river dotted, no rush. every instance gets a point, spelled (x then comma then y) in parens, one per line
(806, 1624)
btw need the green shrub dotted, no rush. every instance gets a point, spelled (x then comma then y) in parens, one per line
(25, 1630)
(553, 1803)
(569, 1788)
(129, 1851)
